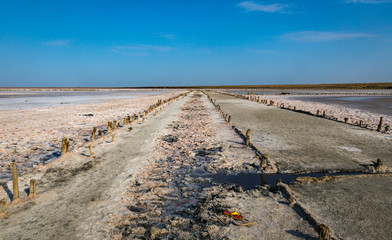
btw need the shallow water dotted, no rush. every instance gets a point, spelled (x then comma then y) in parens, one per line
(377, 104)
(251, 180)
(27, 100)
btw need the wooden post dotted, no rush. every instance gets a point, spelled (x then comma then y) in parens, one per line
(361, 123)
(380, 124)
(143, 121)
(324, 233)
(109, 126)
(100, 133)
(93, 133)
(229, 119)
(113, 137)
(318, 112)
(295, 108)
(32, 188)
(345, 120)
(90, 147)
(324, 114)
(15, 185)
(247, 137)
(278, 181)
(64, 146)
(114, 124)
(3, 207)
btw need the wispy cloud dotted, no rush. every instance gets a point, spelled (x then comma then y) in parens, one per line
(57, 43)
(368, 1)
(142, 49)
(166, 35)
(314, 36)
(270, 8)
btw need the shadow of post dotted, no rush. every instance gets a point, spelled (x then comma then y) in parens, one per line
(301, 235)
(8, 191)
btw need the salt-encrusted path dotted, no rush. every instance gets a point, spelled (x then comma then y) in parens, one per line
(299, 142)
(76, 195)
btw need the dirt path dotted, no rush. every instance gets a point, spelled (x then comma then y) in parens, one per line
(175, 196)
(299, 142)
(78, 195)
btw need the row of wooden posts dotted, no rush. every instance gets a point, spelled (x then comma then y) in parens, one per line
(66, 143)
(262, 156)
(380, 127)
(112, 125)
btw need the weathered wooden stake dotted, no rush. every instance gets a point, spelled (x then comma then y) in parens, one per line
(380, 124)
(143, 121)
(318, 112)
(90, 147)
(361, 123)
(324, 114)
(64, 146)
(130, 129)
(100, 133)
(229, 119)
(247, 137)
(3, 207)
(324, 233)
(295, 108)
(113, 137)
(156, 113)
(109, 126)
(345, 120)
(32, 188)
(93, 133)
(15, 185)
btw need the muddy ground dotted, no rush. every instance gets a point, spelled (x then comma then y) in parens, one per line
(357, 208)
(298, 142)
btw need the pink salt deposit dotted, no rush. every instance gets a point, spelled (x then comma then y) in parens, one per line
(335, 110)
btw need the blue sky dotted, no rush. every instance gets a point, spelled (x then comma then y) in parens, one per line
(184, 42)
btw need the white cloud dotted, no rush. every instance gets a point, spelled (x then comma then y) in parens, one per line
(142, 49)
(314, 36)
(271, 8)
(368, 1)
(57, 43)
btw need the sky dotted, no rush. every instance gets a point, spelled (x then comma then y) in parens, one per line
(201, 42)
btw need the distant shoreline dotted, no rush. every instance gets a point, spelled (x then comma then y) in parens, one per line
(385, 85)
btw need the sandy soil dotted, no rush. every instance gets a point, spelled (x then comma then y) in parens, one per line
(171, 198)
(357, 208)
(299, 142)
(77, 194)
(33, 136)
